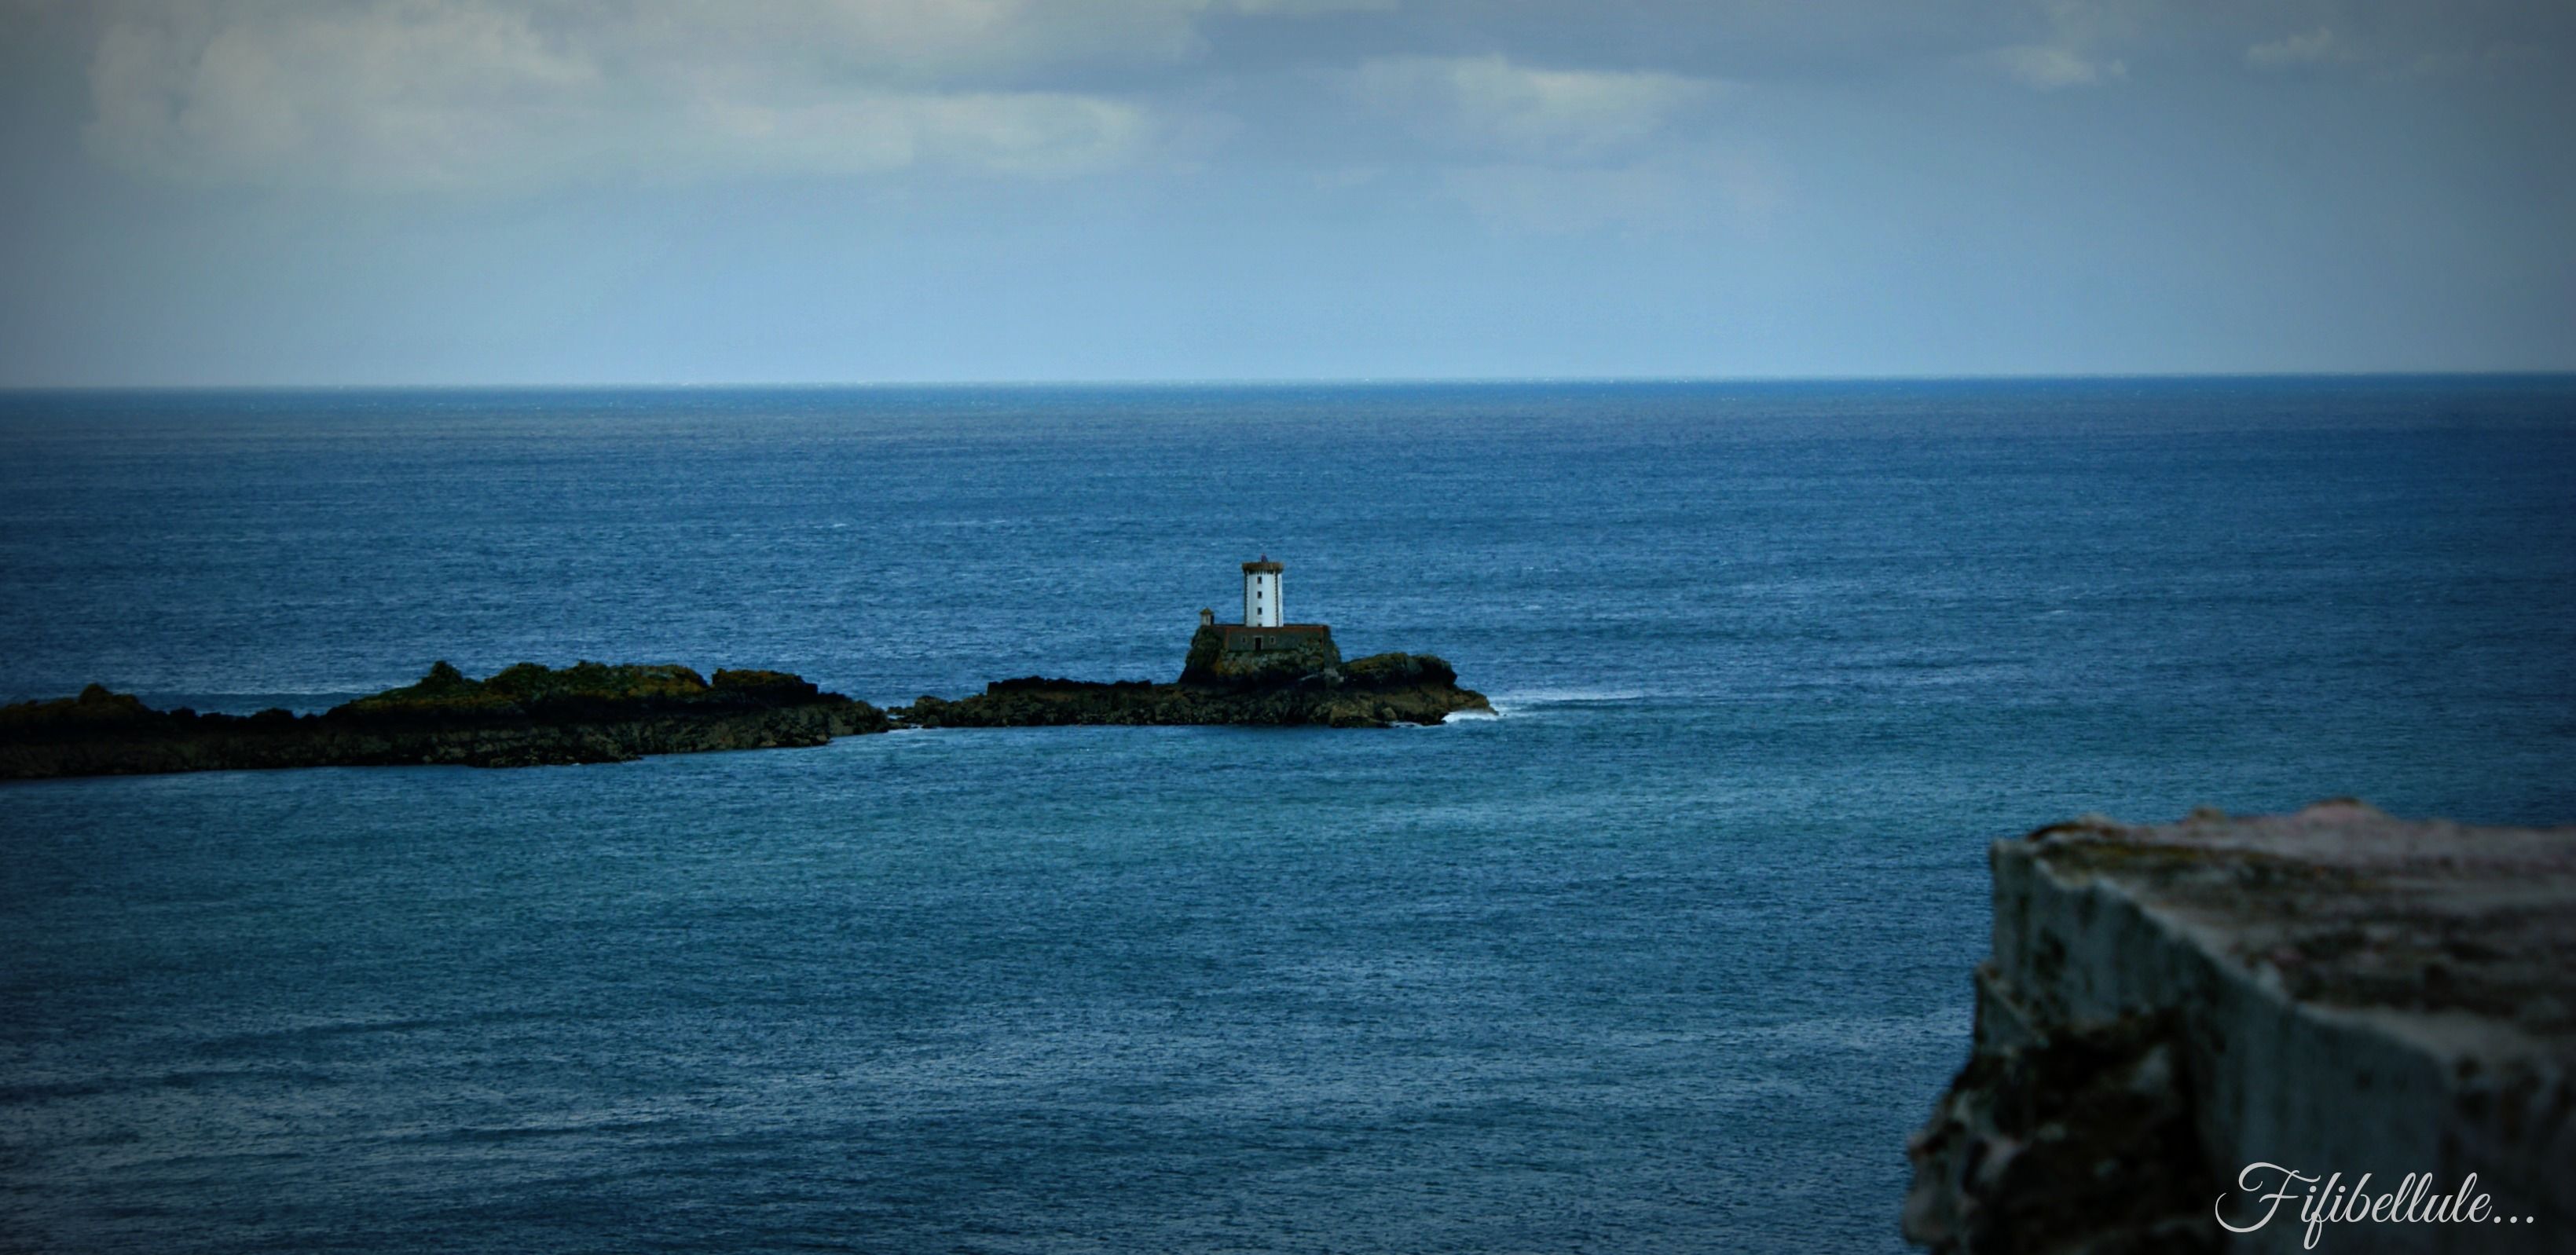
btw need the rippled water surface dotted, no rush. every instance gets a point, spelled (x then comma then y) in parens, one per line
(1670, 956)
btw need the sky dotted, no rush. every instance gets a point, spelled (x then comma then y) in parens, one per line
(363, 192)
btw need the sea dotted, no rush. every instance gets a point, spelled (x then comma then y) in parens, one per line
(1669, 955)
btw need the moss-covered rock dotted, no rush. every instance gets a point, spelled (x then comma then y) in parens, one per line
(597, 712)
(1232, 655)
(1373, 692)
(528, 688)
(525, 714)
(768, 685)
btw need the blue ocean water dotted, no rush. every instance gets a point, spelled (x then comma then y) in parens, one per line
(1670, 956)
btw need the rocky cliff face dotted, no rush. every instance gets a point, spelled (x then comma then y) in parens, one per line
(1374, 692)
(2335, 992)
(523, 716)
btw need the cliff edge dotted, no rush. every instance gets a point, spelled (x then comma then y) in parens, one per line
(2168, 1009)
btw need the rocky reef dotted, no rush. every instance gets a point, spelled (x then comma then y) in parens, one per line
(2174, 1018)
(591, 712)
(522, 716)
(1378, 691)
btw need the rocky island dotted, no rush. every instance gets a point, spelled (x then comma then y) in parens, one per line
(590, 712)
(1259, 672)
(522, 716)
(1274, 676)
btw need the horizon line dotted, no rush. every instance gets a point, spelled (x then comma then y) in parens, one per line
(1289, 381)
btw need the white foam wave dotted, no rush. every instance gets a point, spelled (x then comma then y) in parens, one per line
(1539, 699)
(1569, 696)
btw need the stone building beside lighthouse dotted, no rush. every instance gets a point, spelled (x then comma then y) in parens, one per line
(1265, 645)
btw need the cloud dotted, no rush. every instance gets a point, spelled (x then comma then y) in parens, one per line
(1309, 8)
(2048, 68)
(485, 94)
(1533, 150)
(2317, 45)
(1491, 104)
(2075, 49)
(480, 95)
(2412, 53)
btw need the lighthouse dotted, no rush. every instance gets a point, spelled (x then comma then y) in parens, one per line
(1261, 593)
(1265, 645)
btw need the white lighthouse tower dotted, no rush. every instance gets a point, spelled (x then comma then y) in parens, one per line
(1261, 593)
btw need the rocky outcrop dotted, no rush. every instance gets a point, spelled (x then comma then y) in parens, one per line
(1374, 692)
(2081, 1139)
(1236, 655)
(523, 716)
(528, 715)
(2348, 996)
